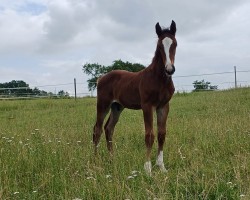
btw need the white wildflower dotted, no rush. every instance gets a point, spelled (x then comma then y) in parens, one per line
(108, 176)
(134, 173)
(130, 177)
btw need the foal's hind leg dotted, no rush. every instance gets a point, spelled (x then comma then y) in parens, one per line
(116, 110)
(102, 110)
(162, 114)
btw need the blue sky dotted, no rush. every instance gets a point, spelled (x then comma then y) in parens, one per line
(32, 8)
(46, 42)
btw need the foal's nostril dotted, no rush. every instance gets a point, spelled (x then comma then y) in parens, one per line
(173, 68)
(170, 69)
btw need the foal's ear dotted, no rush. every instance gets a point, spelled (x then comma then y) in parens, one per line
(173, 27)
(158, 29)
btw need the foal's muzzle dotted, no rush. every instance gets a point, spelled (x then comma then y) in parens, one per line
(170, 70)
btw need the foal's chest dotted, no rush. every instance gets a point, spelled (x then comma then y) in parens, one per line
(162, 94)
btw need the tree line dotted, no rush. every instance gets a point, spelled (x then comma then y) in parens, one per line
(19, 88)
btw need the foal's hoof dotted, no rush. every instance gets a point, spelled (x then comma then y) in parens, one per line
(161, 165)
(148, 168)
(163, 169)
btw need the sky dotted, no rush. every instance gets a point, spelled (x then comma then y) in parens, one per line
(46, 42)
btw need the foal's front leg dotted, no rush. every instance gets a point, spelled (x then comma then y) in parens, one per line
(162, 114)
(149, 136)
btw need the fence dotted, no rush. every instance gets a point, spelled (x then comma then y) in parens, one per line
(224, 80)
(71, 90)
(231, 79)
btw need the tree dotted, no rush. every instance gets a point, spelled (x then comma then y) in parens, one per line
(62, 93)
(95, 70)
(203, 85)
(36, 91)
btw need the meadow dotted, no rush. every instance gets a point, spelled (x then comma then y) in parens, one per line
(46, 150)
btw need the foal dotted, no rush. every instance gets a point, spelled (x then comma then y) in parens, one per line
(149, 89)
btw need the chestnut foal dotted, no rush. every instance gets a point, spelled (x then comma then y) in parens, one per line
(149, 89)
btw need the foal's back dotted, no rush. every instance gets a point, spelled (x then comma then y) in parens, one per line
(120, 86)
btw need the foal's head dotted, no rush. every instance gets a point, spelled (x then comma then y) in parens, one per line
(167, 45)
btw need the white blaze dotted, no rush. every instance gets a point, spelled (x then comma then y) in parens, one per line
(167, 43)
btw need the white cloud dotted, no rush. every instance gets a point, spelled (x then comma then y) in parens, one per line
(20, 32)
(55, 37)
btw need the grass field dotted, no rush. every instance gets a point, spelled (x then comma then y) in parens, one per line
(46, 150)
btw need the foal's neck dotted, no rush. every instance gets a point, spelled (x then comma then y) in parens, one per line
(157, 63)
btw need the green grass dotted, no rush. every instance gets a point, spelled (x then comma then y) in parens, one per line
(46, 150)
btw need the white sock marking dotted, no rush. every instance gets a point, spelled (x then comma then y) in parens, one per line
(160, 158)
(148, 167)
(160, 162)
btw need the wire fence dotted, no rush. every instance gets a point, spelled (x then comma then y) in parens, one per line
(223, 80)
(184, 83)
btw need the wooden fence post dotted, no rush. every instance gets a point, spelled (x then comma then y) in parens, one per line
(235, 78)
(75, 87)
